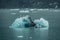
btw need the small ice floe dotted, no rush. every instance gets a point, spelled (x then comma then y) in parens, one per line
(30, 37)
(32, 9)
(24, 11)
(41, 23)
(42, 9)
(20, 36)
(56, 10)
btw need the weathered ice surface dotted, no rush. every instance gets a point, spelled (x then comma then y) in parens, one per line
(21, 22)
(41, 23)
(25, 21)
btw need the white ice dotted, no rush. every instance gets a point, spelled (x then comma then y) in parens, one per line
(24, 11)
(41, 23)
(19, 23)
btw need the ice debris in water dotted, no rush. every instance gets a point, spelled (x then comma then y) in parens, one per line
(20, 36)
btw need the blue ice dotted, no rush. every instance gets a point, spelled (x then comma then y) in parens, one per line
(41, 23)
(20, 22)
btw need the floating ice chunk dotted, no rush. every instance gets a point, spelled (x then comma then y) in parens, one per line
(32, 9)
(42, 9)
(56, 10)
(21, 22)
(20, 36)
(30, 37)
(42, 23)
(24, 11)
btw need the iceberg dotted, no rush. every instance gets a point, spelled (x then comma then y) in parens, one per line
(41, 23)
(26, 21)
(22, 22)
